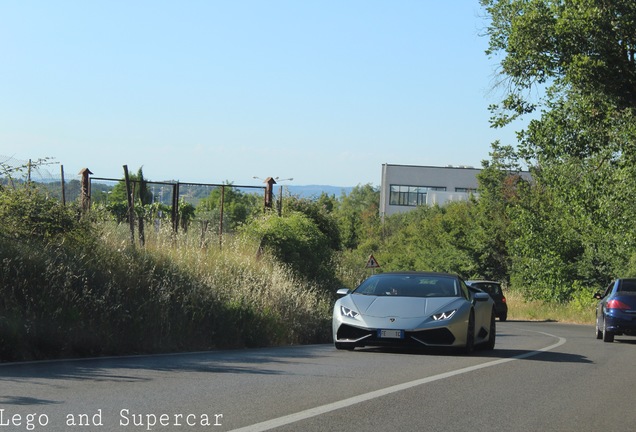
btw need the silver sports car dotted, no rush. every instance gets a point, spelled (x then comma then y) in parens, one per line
(414, 309)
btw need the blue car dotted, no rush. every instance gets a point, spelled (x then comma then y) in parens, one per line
(616, 310)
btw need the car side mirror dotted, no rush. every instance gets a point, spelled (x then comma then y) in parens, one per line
(598, 296)
(342, 292)
(481, 296)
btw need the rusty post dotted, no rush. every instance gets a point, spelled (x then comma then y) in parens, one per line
(85, 190)
(269, 190)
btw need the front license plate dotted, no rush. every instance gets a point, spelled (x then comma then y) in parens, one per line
(391, 334)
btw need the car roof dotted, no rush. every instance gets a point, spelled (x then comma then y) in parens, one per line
(481, 281)
(419, 273)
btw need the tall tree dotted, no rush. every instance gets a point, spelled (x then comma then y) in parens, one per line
(500, 186)
(572, 64)
(589, 44)
(581, 52)
(358, 217)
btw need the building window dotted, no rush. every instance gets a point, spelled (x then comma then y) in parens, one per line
(412, 196)
(466, 190)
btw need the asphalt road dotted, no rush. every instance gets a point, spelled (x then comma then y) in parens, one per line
(540, 377)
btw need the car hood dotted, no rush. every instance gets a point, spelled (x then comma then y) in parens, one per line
(406, 307)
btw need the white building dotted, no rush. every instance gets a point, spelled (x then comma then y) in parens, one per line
(405, 187)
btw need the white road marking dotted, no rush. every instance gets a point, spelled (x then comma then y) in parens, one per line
(312, 412)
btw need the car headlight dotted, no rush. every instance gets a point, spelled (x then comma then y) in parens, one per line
(349, 313)
(444, 315)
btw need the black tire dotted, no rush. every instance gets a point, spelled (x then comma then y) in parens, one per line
(470, 334)
(492, 333)
(599, 332)
(503, 317)
(607, 335)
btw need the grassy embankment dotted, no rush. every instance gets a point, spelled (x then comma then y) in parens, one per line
(100, 296)
(578, 311)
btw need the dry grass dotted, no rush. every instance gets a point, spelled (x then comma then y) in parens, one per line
(578, 311)
(237, 276)
(102, 296)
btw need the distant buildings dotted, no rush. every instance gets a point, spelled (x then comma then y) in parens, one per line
(404, 187)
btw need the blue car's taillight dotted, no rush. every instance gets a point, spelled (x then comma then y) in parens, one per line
(617, 304)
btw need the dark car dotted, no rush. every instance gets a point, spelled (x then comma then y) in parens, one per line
(495, 291)
(616, 310)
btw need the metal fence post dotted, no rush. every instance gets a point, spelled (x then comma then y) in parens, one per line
(131, 203)
(175, 207)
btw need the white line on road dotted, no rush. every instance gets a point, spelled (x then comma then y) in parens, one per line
(312, 412)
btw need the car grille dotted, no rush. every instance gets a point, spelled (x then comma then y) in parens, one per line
(441, 336)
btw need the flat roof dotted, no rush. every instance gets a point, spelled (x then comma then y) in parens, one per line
(431, 166)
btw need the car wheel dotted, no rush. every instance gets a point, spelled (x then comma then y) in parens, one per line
(599, 332)
(470, 334)
(607, 335)
(344, 346)
(503, 317)
(492, 333)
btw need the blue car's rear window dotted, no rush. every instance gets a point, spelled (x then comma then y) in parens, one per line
(627, 285)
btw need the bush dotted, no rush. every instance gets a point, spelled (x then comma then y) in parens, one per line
(297, 241)
(27, 213)
(318, 211)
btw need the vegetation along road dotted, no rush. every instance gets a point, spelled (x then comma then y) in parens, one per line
(541, 376)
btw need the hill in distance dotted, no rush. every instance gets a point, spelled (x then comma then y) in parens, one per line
(309, 191)
(314, 191)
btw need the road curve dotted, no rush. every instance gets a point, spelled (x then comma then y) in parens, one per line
(540, 377)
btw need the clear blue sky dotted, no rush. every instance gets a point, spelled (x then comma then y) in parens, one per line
(323, 91)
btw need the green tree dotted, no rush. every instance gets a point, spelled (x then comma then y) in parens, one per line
(238, 206)
(544, 243)
(321, 212)
(500, 186)
(359, 219)
(578, 57)
(432, 239)
(584, 45)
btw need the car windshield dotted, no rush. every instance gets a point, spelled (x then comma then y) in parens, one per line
(410, 286)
